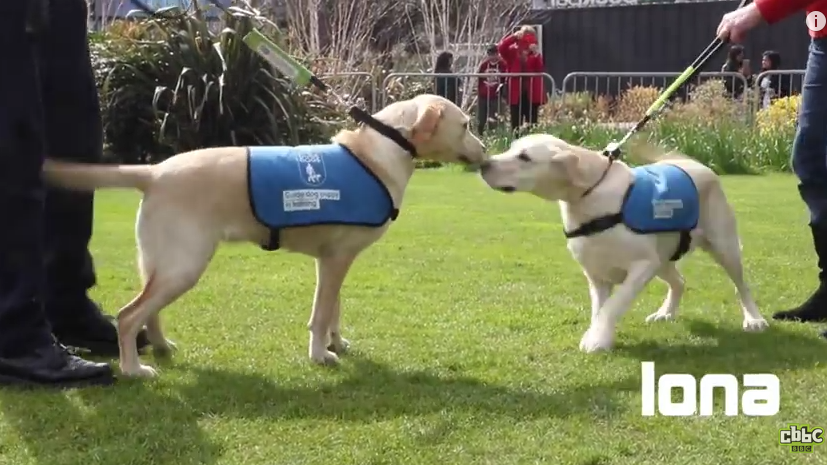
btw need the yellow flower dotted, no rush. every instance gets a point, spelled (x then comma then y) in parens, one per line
(779, 117)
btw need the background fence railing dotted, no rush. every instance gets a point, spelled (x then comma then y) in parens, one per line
(487, 111)
(365, 89)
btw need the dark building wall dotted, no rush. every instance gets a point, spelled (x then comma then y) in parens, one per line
(655, 37)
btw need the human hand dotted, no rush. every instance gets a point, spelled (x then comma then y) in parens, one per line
(735, 24)
(533, 48)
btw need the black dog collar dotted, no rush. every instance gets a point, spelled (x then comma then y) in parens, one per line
(362, 117)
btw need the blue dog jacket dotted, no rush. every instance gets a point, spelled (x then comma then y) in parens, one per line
(312, 185)
(663, 198)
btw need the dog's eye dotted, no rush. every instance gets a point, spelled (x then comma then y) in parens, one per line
(465, 126)
(523, 157)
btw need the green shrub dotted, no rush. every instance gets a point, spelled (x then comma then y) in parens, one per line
(173, 84)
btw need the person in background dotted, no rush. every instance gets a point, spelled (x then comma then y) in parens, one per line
(525, 93)
(446, 86)
(772, 86)
(735, 64)
(488, 89)
(809, 151)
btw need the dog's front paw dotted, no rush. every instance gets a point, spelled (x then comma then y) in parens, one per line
(595, 340)
(324, 357)
(165, 349)
(755, 325)
(338, 344)
(140, 371)
(660, 315)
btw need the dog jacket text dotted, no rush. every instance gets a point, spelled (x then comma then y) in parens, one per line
(313, 185)
(663, 198)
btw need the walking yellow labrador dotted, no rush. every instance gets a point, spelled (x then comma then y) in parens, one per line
(627, 225)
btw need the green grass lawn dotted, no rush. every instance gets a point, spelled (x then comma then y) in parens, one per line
(465, 320)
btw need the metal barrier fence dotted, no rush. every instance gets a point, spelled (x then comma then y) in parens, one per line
(790, 82)
(490, 111)
(361, 88)
(357, 88)
(614, 84)
(611, 85)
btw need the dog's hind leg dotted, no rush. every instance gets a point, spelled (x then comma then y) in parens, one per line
(723, 244)
(330, 274)
(338, 344)
(173, 256)
(669, 309)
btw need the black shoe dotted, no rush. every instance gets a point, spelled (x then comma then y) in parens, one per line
(815, 308)
(53, 366)
(94, 333)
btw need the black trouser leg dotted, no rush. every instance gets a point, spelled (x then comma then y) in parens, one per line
(533, 113)
(515, 117)
(73, 133)
(23, 327)
(482, 113)
(525, 109)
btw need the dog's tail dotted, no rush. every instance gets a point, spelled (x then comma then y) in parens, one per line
(88, 177)
(647, 152)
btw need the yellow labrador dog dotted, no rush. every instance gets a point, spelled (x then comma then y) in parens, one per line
(627, 225)
(329, 202)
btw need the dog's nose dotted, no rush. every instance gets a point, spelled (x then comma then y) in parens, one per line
(485, 166)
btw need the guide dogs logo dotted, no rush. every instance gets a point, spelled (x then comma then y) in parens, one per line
(311, 169)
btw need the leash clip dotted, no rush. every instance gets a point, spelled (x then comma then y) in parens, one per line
(612, 150)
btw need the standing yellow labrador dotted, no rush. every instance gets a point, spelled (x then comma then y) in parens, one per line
(627, 225)
(329, 202)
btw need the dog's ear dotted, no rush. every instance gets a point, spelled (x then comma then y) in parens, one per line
(569, 162)
(426, 124)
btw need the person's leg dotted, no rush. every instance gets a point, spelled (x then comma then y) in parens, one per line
(534, 114)
(74, 132)
(809, 161)
(28, 353)
(515, 118)
(482, 113)
(493, 112)
(525, 109)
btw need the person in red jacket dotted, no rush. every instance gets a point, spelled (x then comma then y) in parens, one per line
(809, 152)
(488, 89)
(525, 93)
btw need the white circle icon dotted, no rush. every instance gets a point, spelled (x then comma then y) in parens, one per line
(816, 21)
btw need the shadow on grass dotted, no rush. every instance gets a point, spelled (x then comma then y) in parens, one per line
(372, 391)
(160, 424)
(125, 424)
(730, 350)
(146, 423)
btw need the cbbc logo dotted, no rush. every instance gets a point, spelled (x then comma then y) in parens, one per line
(801, 438)
(761, 399)
(816, 21)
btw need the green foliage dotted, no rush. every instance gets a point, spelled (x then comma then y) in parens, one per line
(175, 84)
(709, 128)
(172, 85)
